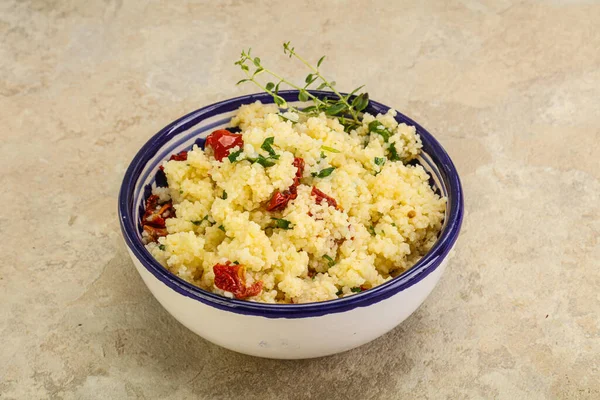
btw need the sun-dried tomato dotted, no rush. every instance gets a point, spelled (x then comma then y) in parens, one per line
(153, 220)
(232, 278)
(320, 196)
(154, 233)
(181, 156)
(279, 200)
(222, 140)
(299, 164)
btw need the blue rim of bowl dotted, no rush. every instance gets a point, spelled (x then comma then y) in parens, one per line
(425, 266)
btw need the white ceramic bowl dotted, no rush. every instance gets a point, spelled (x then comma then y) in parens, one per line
(290, 331)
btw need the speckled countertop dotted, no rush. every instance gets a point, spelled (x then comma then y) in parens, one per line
(511, 89)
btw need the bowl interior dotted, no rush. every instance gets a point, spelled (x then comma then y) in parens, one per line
(193, 129)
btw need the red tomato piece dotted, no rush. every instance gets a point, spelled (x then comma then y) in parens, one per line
(232, 278)
(222, 140)
(153, 220)
(320, 196)
(279, 200)
(181, 156)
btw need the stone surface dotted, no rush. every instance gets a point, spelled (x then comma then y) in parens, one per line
(512, 89)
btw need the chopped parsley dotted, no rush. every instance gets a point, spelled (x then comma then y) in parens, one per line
(378, 128)
(393, 153)
(233, 157)
(221, 227)
(224, 197)
(371, 230)
(339, 292)
(330, 149)
(323, 155)
(265, 161)
(323, 173)
(330, 261)
(356, 290)
(236, 263)
(282, 223)
(379, 161)
(266, 146)
(161, 247)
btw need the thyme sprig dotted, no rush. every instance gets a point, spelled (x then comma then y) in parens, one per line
(346, 108)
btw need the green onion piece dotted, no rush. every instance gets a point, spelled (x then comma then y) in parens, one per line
(330, 261)
(325, 173)
(330, 149)
(233, 156)
(266, 146)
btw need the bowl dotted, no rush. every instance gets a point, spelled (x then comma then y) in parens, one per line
(287, 331)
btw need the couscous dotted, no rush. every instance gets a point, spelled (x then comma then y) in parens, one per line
(289, 208)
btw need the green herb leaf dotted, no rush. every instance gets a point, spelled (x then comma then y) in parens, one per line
(233, 156)
(320, 61)
(242, 81)
(378, 128)
(361, 102)
(356, 290)
(161, 247)
(270, 85)
(282, 223)
(303, 95)
(393, 153)
(224, 197)
(279, 101)
(371, 230)
(330, 149)
(265, 162)
(322, 86)
(283, 117)
(236, 263)
(379, 161)
(266, 145)
(309, 79)
(339, 292)
(325, 172)
(221, 227)
(335, 109)
(330, 261)
(256, 61)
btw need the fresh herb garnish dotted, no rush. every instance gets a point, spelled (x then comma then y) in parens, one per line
(266, 146)
(323, 173)
(161, 247)
(371, 230)
(233, 157)
(236, 263)
(339, 292)
(264, 161)
(202, 220)
(224, 197)
(282, 223)
(330, 149)
(379, 161)
(221, 227)
(356, 290)
(323, 156)
(197, 223)
(393, 153)
(380, 129)
(180, 191)
(330, 261)
(347, 111)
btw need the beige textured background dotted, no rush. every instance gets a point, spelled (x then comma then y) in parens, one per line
(511, 89)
